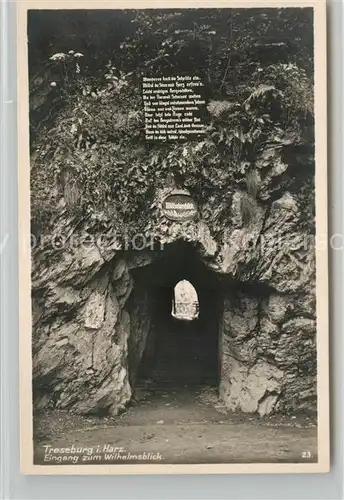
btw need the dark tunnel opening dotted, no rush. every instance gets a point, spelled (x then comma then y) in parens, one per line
(179, 352)
(185, 305)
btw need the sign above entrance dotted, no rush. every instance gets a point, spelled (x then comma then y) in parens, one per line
(179, 207)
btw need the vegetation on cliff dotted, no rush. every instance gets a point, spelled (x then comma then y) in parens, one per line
(89, 155)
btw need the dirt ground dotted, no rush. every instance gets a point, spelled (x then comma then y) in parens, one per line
(173, 425)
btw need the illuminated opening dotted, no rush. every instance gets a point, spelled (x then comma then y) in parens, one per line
(185, 304)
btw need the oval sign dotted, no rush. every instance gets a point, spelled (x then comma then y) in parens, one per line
(179, 207)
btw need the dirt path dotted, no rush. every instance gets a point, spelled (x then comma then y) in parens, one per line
(181, 425)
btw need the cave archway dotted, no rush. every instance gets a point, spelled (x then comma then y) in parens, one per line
(177, 351)
(185, 305)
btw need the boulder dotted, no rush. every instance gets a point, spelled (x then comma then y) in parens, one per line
(248, 389)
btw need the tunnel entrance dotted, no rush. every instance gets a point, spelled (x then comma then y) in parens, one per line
(181, 347)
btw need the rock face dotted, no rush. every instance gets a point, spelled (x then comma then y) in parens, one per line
(82, 359)
(185, 303)
(92, 316)
(266, 355)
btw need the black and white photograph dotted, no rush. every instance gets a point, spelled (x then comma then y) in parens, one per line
(174, 293)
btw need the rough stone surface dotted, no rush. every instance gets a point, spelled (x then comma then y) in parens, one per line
(82, 362)
(277, 307)
(246, 389)
(239, 250)
(296, 345)
(266, 340)
(72, 267)
(240, 321)
(287, 259)
(139, 310)
(94, 311)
